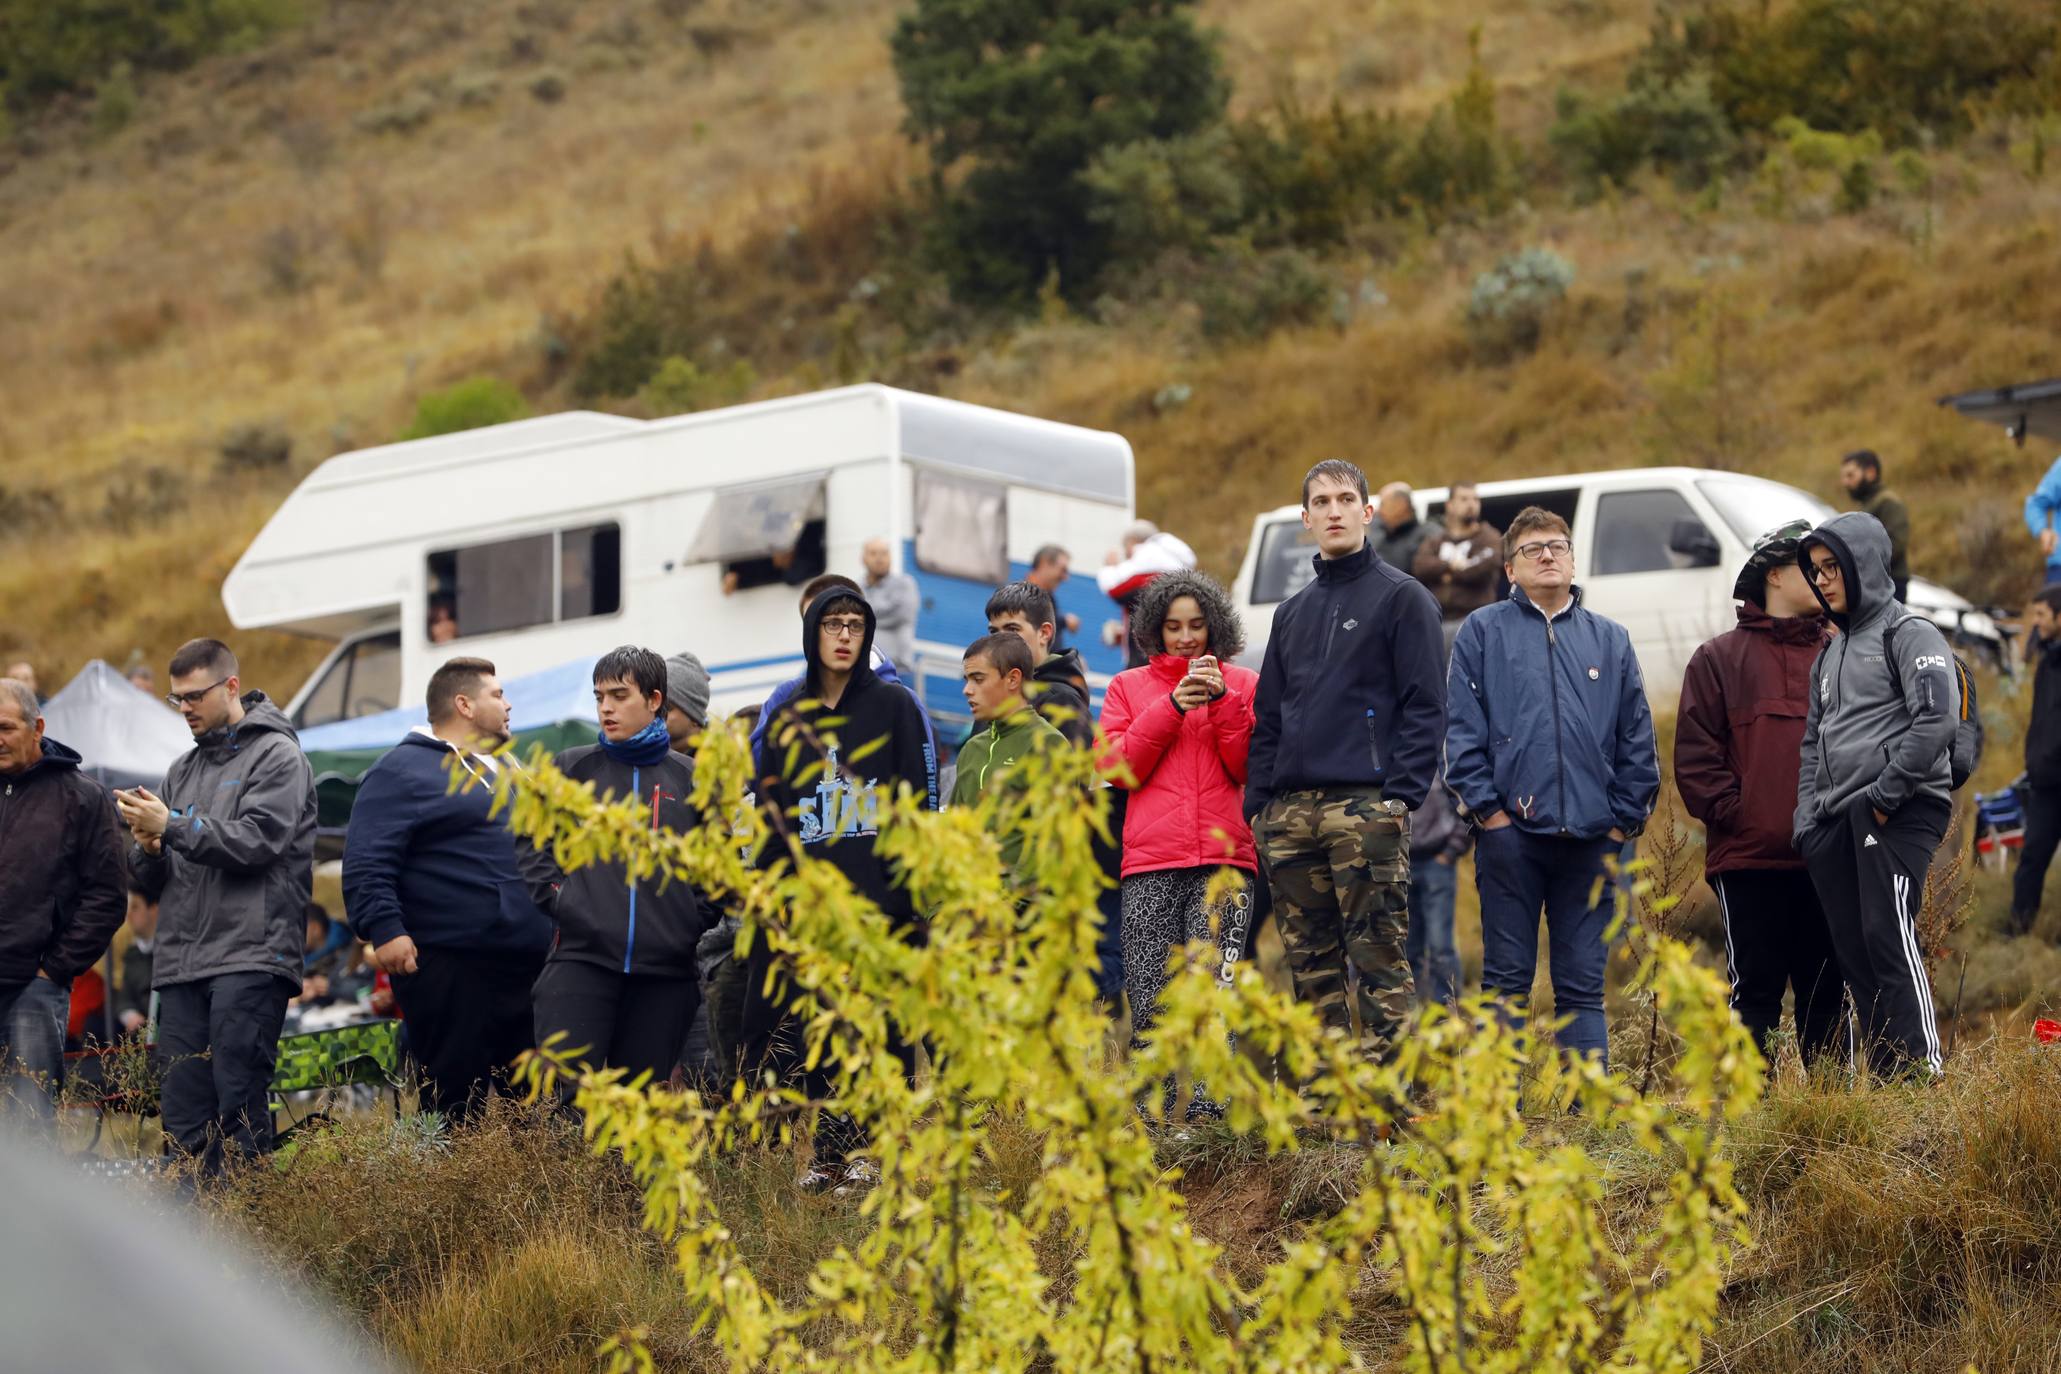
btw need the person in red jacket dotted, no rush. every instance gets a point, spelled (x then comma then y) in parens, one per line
(1176, 732)
(1738, 740)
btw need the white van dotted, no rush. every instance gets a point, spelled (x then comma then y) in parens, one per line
(564, 536)
(1656, 549)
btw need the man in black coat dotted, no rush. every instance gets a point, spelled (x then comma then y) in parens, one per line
(62, 895)
(621, 986)
(2042, 793)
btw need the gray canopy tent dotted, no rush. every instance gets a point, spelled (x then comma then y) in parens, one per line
(126, 737)
(2025, 408)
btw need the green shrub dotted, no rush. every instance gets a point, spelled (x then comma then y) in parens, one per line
(1510, 303)
(1673, 125)
(115, 100)
(645, 315)
(260, 446)
(1309, 175)
(1160, 195)
(678, 386)
(1808, 165)
(50, 48)
(1024, 95)
(1898, 66)
(1461, 162)
(471, 404)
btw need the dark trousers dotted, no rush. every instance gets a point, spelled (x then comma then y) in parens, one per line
(610, 1019)
(218, 1039)
(32, 1022)
(2042, 834)
(1871, 881)
(1519, 874)
(469, 1017)
(1776, 939)
(1434, 957)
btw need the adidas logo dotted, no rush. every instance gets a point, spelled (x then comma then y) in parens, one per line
(1869, 843)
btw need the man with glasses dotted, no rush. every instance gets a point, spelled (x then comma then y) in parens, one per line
(1874, 787)
(1348, 714)
(831, 762)
(1550, 749)
(231, 844)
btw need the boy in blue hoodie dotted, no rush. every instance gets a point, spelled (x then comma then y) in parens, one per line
(430, 882)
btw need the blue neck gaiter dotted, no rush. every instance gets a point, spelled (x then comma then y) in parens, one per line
(648, 746)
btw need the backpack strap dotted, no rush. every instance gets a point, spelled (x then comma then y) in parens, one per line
(1962, 683)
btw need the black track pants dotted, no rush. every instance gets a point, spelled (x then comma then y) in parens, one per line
(1871, 880)
(1776, 939)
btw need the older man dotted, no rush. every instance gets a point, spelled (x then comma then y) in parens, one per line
(61, 896)
(1402, 533)
(895, 600)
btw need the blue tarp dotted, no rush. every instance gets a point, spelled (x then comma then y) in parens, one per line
(564, 693)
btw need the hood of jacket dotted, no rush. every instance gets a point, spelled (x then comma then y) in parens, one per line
(57, 758)
(260, 717)
(1860, 544)
(812, 642)
(1794, 629)
(1065, 666)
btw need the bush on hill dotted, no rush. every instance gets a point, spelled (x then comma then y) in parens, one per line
(49, 48)
(471, 404)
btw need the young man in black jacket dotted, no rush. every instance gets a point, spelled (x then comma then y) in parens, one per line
(61, 898)
(1350, 714)
(831, 760)
(430, 882)
(2042, 797)
(1059, 682)
(621, 983)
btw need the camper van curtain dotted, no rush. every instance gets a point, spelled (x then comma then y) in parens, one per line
(757, 522)
(962, 528)
(505, 586)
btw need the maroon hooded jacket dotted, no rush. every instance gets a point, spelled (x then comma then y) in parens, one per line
(1739, 737)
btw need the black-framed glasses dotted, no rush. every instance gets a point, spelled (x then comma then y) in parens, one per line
(193, 698)
(1559, 548)
(1822, 573)
(850, 627)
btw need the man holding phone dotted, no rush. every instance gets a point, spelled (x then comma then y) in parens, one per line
(231, 844)
(1350, 712)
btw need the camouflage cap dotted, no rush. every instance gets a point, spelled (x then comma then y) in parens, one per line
(1774, 549)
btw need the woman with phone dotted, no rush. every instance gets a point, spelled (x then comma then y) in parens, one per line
(1177, 730)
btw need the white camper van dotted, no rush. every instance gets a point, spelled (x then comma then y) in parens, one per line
(538, 542)
(1656, 549)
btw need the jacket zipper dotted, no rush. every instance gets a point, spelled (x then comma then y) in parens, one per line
(1559, 753)
(994, 739)
(630, 942)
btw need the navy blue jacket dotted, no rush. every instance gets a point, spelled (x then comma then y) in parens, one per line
(1549, 722)
(1349, 692)
(423, 861)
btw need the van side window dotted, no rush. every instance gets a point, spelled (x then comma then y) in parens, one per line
(536, 579)
(364, 680)
(768, 535)
(1284, 566)
(1647, 531)
(962, 528)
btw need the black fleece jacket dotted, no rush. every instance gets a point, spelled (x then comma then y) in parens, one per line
(63, 888)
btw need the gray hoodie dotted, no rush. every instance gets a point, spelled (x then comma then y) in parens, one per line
(1876, 728)
(238, 862)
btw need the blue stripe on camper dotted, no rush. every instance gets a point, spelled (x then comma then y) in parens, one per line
(954, 610)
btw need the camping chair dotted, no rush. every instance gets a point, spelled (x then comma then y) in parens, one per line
(1999, 825)
(367, 1053)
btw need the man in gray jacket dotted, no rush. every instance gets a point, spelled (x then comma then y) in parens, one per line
(1873, 792)
(232, 844)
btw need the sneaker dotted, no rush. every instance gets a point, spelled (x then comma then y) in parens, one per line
(817, 1178)
(860, 1176)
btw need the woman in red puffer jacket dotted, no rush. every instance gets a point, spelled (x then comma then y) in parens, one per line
(1176, 733)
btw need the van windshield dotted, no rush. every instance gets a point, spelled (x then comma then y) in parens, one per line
(1284, 566)
(1752, 506)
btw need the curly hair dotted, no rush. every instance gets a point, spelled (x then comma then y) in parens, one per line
(1148, 613)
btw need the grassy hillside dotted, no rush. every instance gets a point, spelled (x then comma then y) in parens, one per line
(307, 236)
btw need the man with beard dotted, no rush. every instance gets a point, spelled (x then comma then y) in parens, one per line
(430, 881)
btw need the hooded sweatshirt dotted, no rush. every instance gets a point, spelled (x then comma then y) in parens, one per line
(1745, 697)
(1060, 694)
(62, 894)
(829, 799)
(1876, 727)
(434, 864)
(238, 859)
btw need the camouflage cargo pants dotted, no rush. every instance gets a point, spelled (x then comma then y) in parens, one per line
(1338, 866)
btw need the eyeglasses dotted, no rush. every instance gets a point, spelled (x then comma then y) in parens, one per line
(1559, 548)
(178, 699)
(1824, 572)
(849, 627)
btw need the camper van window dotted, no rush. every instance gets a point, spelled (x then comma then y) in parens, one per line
(1634, 530)
(364, 680)
(1284, 562)
(962, 528)
(515, 583)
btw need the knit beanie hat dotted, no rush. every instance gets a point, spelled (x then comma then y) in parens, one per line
(687, 687)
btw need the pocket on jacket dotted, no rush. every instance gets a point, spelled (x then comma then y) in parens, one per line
(1373, 742)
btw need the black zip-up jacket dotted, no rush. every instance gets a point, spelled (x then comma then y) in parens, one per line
(62, 884)
(2043, 731)
(1352, 690)
(1061, 695)
(647, 928)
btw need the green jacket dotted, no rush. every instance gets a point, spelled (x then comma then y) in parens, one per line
(1886, 506)
(985, 759)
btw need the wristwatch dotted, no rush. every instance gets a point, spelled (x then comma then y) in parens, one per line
(1390, 806)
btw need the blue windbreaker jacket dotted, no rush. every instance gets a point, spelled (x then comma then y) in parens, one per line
(2043, 510)
(1549, 722)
